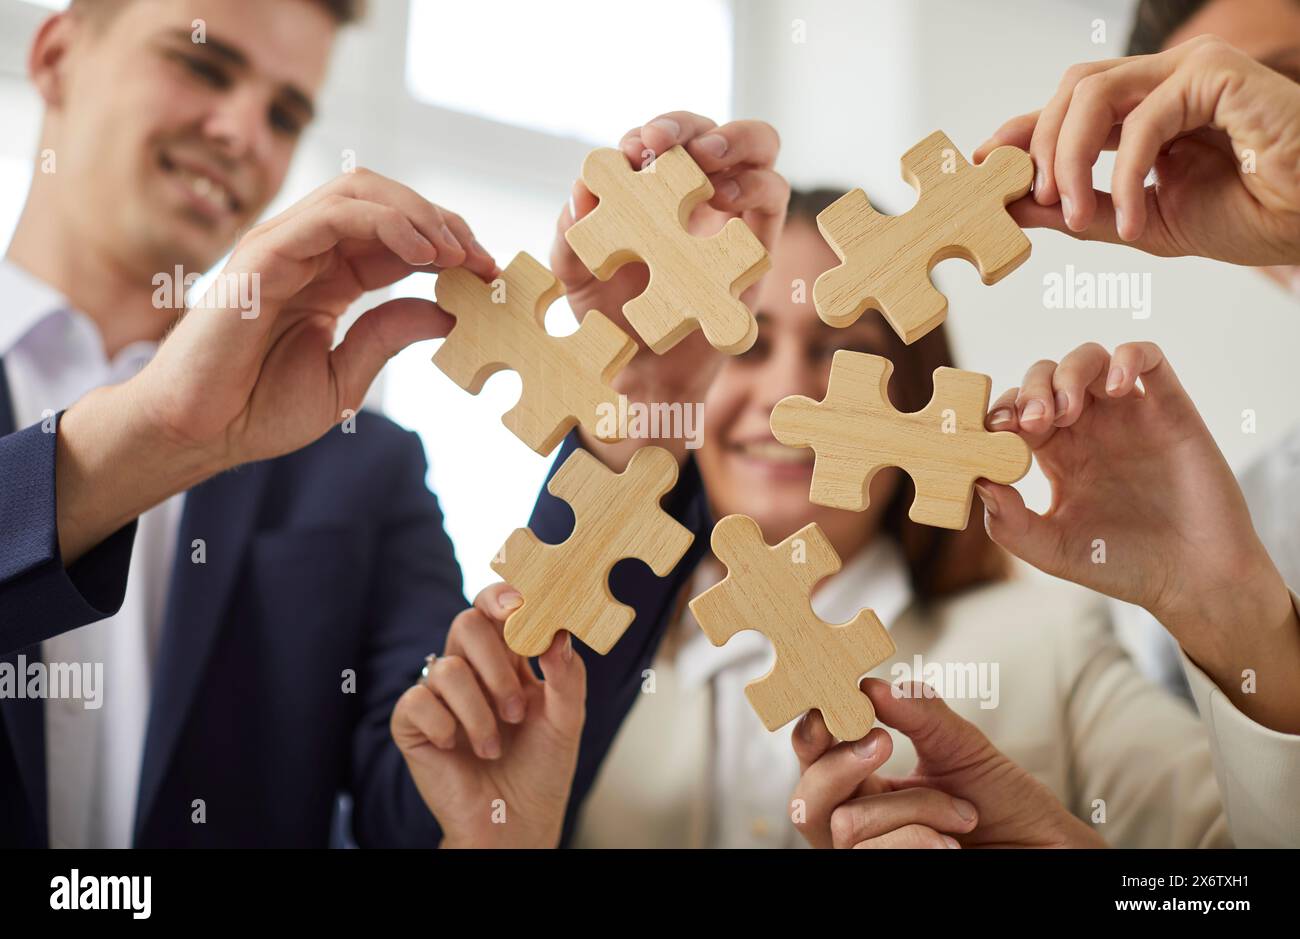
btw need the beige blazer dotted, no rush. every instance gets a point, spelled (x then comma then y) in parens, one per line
(1119, 751)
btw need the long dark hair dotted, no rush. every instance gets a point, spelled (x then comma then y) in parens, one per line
(940, 562)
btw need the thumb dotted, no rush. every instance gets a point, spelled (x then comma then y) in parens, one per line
(565, 684)
(1155, 238)
(1023, 532)
(377, 336)
(943, 739)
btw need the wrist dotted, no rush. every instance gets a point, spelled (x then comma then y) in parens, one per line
(1223, 628)
(112, 464)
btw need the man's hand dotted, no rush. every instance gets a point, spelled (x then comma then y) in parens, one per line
(491, 747)
(963, 792)
(738, 158)
(1145, 509)
(1221, 131)
(226, 388)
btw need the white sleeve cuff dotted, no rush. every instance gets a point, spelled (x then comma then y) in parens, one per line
(1258, 769)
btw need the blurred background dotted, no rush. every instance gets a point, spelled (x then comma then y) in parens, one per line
(487, 107)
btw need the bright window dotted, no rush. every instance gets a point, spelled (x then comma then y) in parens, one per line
(485, 478)
(592, 67)
(15, 175)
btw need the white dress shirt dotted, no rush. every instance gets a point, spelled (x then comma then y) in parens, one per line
(52, 356)
(720, 778)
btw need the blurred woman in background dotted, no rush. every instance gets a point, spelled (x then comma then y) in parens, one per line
(1043, 676)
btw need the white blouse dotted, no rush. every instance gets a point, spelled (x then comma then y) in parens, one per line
(693, 766)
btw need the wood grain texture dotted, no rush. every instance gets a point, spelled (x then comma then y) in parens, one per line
(566, 379)
(818, 665)
(855, 431)
(566, 586)
(960, 213)
(694, 281)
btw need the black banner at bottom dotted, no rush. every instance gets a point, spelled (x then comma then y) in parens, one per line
(333, 888)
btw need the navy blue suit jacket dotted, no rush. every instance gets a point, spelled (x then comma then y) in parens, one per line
(328, 559)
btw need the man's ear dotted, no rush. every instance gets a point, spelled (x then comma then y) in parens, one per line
(47, 57)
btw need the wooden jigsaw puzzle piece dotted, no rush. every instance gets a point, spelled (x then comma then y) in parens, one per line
(944, 467)
(975, 198)
(886, 260)
(761, 580)
(828, 679)
(642, 216)
(616, 516)
(767, 589)
(839, 429)
(855, 431)
(566, 379)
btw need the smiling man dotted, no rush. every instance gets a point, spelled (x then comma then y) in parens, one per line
(164, 148)
(256, 628)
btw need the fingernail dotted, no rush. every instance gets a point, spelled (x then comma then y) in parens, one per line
(445, 234)
(1062, 406)
(510, 600)
(714, 145)
(1040, 180)
(999, 417)
(478, 248)
(513, 709)
(1115, 378)
(668, 124)
(950, 842)
(865, 748)
(1119, 223)
(568, 647)
(964, 809)
(429, 246)
(1067, 211)
(573, 208)
(1033, 410)
(986, 496)
(492, 748)
(729, 189)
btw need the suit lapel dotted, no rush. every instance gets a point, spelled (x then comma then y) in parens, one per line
(222, 512)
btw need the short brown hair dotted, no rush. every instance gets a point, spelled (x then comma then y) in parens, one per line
(343, 11)
(940, 562)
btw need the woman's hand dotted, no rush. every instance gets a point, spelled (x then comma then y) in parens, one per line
(491, 747)
(1221, 131)
(963, 792)
(1145, 509)
(738, 158)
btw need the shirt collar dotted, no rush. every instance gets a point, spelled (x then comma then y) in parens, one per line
(875, 578)
(28, 304)
(25, 302)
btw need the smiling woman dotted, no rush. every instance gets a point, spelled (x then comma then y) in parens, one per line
(750, 473)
